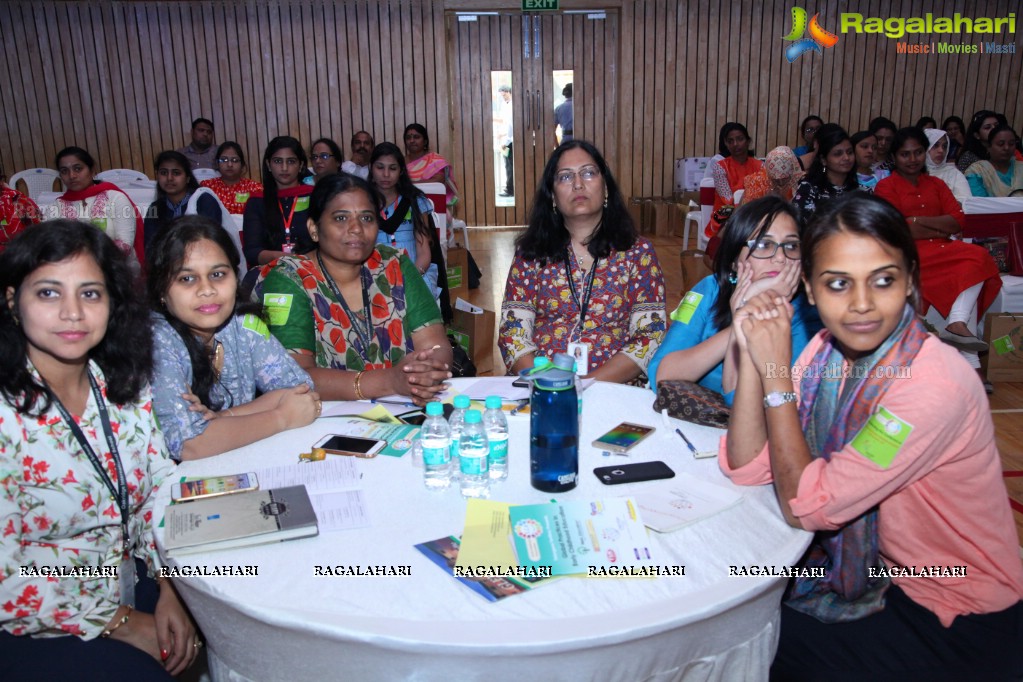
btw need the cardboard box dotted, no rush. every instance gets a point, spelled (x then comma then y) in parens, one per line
(475, 333)
(458, 273)
(1004, 333)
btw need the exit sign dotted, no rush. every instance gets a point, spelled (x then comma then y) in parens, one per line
(538, 5)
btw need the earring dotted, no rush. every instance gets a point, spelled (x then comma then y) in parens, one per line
(554, 205)
(732, 278)
(605, 198)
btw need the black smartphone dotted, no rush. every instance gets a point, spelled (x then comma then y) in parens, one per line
(520, 383)
(633, 473)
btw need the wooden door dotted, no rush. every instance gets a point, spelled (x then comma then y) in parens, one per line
(534, 55)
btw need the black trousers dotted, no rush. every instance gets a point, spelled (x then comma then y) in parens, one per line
(905, 642)
(509, 171)
(28, 659)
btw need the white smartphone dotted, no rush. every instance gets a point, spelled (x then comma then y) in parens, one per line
(351, 445)
(211, 487)
(623, 437)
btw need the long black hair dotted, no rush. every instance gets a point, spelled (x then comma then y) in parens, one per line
(163, 211)
(973, 142)
(77, 152)
(828, 137)
(750, 221)
(727, 128)
(546, 238)
(864, 214)
(274, 219)
(165, 258)
(125, 352)
(406, 188)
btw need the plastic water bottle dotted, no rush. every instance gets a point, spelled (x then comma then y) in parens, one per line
(435, 437)
(569, 364)
(472, 456)
(496, 425)
(455, 421)
(554, 429)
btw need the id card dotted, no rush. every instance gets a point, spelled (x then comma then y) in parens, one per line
(126, 579)
(288, 247)
(581, 352)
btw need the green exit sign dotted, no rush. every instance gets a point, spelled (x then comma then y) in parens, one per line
(538, 5)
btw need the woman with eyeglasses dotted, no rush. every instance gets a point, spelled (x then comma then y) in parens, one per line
(275, 218)
(582, 281)
(807, 129)
(326, 158)
(759, 251)
(231, 187)
(832, 172)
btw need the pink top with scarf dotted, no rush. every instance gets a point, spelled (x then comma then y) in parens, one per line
(942, 499)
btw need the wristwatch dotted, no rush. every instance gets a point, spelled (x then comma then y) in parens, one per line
(778, 398)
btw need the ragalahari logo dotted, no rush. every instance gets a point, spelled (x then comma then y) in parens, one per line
(819, 37)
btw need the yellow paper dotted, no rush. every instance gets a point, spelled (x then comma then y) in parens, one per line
(485, 538)
(379, 413)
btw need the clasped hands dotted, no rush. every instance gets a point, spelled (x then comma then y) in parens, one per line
(421, 376)
(763, 330)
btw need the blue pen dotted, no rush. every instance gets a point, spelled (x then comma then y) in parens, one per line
(683, 436)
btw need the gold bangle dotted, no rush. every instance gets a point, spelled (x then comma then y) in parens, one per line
(358, 388)
(110, 631)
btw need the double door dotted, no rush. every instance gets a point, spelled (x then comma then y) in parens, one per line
(508, 75)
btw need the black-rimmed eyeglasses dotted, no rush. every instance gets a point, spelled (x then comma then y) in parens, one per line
(766, 248)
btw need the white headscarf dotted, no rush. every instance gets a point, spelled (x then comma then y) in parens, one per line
(947, 172)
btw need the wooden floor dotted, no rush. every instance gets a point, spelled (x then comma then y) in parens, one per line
(493, 249)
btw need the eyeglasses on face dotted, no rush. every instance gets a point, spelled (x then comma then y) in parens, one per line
(766, 248)
(290, 161)
(587, 174)
(811, 129)
(323, 156)
(229, 159)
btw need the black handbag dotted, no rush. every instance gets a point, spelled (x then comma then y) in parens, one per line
(688, 401)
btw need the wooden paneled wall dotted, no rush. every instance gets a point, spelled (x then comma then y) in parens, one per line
(124, 79)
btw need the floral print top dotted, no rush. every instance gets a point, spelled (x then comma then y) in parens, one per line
(254, 362)
(17, 212)
(55, 512)
(625, 315)
(306, 316)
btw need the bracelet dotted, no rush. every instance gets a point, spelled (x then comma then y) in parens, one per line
(110, 631)
(358, 388)
(229, 412)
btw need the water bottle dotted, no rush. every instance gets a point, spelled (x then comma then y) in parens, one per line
(569, 364)
(435, 438)
(554, 429)
(496, 425)
(455, 421)
(472, 456)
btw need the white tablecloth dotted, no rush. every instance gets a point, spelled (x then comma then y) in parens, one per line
(287, 624)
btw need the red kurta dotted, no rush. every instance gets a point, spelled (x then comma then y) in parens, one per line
(947, 267)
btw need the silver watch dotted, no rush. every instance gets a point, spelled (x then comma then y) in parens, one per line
(779, 398)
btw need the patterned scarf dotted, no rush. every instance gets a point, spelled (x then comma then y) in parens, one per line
(831, 419)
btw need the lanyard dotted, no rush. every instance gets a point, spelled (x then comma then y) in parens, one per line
(363, 327)
(583, 305)
(120, 490)
(289, 219)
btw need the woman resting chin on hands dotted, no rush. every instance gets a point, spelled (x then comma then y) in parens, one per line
(865, 448)
(356, 314)
(759, 251)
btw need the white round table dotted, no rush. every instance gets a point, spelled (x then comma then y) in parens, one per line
(288, 624)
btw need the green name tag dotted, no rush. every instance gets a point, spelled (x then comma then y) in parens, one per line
(278, 308)
(1003, 345)
(101, 223)
(254, 324)
(882, 437)
(241, 197)
(687, 308)
(302, 204)
(3, 222)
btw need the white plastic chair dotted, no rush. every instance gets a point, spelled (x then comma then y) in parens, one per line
(37, 181)
(122, 176)
(695, 215)
(205, 174)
